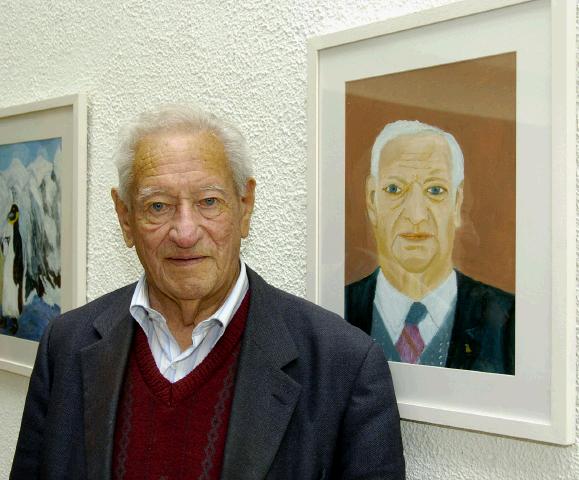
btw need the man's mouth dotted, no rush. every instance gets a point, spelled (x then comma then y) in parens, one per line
(416, 236)
(186, 259)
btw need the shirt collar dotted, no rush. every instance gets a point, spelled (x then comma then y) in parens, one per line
(143, 313)
(441, 300)
(393, 305)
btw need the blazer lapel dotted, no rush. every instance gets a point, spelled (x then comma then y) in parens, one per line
(103, 367)
(265, 396)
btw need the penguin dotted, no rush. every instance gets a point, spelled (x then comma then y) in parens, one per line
(13, 275)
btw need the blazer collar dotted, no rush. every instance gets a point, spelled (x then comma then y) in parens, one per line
(103, 367)
(264, 396)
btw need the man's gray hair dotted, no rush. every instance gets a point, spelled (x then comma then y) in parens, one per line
(181, 118)
(411, 127)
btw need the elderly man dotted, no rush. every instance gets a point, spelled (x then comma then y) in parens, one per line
(415, 304)
(201, 369)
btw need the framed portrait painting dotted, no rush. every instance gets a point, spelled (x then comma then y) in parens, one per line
(442, 206)
(42, 221)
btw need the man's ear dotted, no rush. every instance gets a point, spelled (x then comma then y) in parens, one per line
(459, 196)
(371, 199)
(247, 203)
(124, 218)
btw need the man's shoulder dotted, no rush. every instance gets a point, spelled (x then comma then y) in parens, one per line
(477, 291)
(78, 323)
(358, 300)
(308, 322)
(109, 301)
(481, 305)
(363, 286)
(307, 316)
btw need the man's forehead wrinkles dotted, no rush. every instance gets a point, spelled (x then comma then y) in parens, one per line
(407, 172)
(420, 166)
(213, 187)
(424, 168)
(420, 169)
(418, 150)
(183, 155)
(168, 162)
(434, 163)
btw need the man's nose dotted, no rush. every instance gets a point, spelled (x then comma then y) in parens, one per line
(415, 209)
(186, 226)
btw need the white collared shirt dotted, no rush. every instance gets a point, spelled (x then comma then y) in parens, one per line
(393, 306)
(173, 363)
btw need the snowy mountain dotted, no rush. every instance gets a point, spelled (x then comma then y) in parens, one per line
(35, 189)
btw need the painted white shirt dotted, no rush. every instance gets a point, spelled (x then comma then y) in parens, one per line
(173, 363)
(393, 306)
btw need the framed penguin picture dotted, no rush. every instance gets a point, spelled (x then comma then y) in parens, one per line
(42, 221)
(441, 215)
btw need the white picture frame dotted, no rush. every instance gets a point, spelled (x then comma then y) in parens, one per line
(538, 402)
(63, 118)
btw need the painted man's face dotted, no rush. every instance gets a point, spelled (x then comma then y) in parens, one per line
(411, 204)
(186, 218)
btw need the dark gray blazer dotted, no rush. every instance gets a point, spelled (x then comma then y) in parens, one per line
(313, 396)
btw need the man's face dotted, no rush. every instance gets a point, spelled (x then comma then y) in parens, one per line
(411, 204)
(186, 219)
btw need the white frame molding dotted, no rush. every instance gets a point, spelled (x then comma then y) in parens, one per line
(560, 426)
(17, 355)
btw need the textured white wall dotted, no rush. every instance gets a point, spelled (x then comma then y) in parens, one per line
(245, 60)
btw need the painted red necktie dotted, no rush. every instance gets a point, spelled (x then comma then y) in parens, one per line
(410, 345)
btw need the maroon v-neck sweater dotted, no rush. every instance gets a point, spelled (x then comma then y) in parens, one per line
(176, 431)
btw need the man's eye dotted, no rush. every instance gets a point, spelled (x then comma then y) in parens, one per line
(436, 190)
(392, 188)
(209, 202)
(157, 207)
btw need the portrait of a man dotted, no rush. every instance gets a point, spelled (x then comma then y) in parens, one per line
(416, 304)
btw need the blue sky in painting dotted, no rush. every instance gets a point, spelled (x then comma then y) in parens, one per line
(28, 151)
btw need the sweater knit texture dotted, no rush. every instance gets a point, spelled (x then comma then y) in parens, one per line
(176, 431)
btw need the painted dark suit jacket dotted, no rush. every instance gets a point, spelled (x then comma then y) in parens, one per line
(483, 334)
(313, 395)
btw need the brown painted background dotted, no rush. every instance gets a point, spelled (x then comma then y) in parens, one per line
(475, 101)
